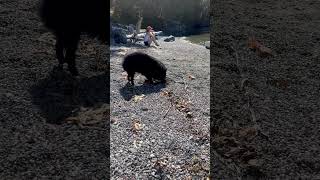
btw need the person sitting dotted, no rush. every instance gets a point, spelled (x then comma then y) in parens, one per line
(150, 37)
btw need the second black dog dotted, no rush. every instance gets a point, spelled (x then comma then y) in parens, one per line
(147, 65)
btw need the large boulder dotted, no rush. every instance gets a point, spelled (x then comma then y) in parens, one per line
(169, 39)
(131, 28)
(119, 35)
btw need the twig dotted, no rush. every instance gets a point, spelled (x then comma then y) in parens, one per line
(247, 94)
(165, 115)
(254, 119)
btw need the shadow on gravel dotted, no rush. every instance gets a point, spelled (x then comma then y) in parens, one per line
(59, 95)
(128, 91)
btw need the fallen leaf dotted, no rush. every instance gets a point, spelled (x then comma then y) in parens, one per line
(137, 126)
(138, 98)
(191, 77)
(73, 120)
(261, 49)
(264, 51)
(166, 93)
(253, 43)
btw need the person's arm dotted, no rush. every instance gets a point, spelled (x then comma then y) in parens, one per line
(152, 34)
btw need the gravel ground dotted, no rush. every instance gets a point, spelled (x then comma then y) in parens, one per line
(152, 134)
(277, 134)
(36, 141)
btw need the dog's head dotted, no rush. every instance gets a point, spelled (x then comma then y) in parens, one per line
(161, 74)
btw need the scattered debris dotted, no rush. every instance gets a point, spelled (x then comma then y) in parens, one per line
(169, 39)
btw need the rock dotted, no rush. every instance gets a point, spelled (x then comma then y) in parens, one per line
(131, 28)
(119, 35)
(159, 33)
(170, 39)
(207, 44)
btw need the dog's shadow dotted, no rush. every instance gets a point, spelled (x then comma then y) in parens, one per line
(128, 91)
(59, 95)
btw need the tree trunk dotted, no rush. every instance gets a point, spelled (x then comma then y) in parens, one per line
(138, 25)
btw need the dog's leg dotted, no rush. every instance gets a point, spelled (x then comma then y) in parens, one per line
(60, 50)
(131, 78)
(72, 45)
(149, 79)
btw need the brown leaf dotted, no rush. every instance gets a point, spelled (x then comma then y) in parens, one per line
(166, 93)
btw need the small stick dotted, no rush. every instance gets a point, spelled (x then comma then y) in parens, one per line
(167, 111)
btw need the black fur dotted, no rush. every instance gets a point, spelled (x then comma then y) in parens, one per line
(142, 63)
(68, 19)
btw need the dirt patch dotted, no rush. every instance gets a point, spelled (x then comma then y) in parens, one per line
(274, 97)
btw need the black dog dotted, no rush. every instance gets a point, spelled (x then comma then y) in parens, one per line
(67, 19)
(148, 66)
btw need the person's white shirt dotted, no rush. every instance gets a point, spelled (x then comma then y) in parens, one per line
(147, 37)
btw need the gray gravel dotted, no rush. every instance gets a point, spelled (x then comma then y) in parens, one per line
(167, 143)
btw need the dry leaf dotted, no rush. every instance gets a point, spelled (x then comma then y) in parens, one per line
(261, 49)
(191, 77)
(253, 43)
(137, 126)
(73, 120)
(166, 93)
(138, 98)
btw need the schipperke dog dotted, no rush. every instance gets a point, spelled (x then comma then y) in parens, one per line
(68, 19)
(144, 64)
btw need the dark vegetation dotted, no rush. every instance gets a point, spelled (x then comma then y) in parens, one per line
(177, 17)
